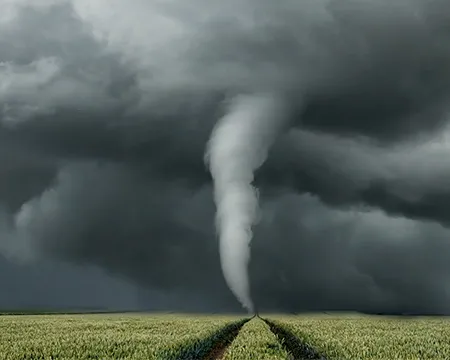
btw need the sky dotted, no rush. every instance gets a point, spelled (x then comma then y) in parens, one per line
(107, 108)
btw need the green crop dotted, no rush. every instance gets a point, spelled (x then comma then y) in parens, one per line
(103, 337)
(256, 341)
(372, 337)
(182, 337)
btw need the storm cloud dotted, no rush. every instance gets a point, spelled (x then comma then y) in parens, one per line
(106, 109)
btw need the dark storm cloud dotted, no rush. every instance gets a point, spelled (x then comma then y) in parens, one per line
(325, 258)
(408, 180)
(53, 285)
(22, 174)
(106, 109)
(395, 72)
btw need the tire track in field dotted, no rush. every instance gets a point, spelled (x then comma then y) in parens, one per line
(293, 345)
(214, 346)
(220, 347)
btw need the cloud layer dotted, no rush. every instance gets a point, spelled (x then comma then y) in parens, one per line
(106, 108)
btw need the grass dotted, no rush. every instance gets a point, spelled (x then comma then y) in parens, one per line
(372, 337)
(256, 341)
(104, 336)
(174, 336)
(209, 347)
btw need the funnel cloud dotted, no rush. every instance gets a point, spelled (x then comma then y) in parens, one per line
(323, 123)
(238, 146)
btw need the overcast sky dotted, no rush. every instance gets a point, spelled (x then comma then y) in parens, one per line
(106, 107)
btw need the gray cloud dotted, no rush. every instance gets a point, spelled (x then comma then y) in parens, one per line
(325, 258)
(106, 109)
(51, 284)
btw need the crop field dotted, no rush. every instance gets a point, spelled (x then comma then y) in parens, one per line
(202, 337)
(255, 341)
(105, 336)
(370, 337)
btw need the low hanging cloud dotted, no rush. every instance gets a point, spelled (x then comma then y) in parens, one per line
(106, 109)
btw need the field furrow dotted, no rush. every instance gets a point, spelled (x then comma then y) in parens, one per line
(256, 341)
(294, 345)
(371, 337)
(210, 348)
(78, 337)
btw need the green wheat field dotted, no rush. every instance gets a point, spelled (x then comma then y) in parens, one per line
(177, 337)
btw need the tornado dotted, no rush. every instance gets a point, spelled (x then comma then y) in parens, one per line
(239, 145)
